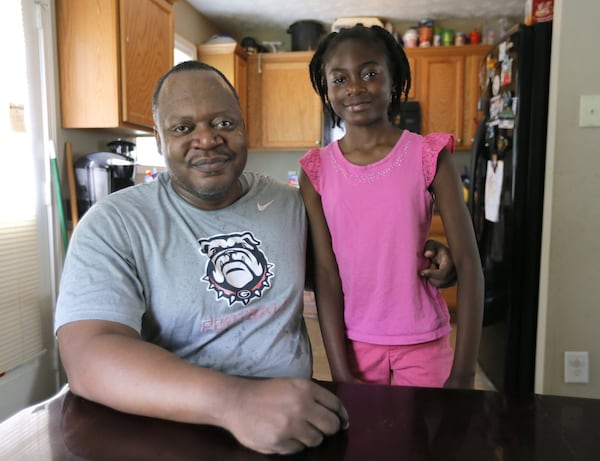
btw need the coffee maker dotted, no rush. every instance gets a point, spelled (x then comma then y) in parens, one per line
(101, 173)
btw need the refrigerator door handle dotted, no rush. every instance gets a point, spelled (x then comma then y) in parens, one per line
(476, 152)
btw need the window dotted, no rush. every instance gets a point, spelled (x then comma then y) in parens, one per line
(184, 50)
(147, 154)
(21, 336)
(145, 146)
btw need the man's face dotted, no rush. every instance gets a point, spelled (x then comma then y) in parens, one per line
(201, 134)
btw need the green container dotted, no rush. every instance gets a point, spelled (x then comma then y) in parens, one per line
(447, 37)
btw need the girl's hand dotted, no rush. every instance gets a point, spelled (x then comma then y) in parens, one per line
(464, 381)
(345, 377)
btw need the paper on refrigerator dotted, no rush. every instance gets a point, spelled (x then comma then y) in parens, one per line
(493, 189)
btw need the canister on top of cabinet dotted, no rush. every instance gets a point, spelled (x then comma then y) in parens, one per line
(367, 21)
(447, 37)
(425, 32)
(410, 38)
(475, 37)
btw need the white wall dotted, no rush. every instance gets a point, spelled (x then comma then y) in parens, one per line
(569, 317)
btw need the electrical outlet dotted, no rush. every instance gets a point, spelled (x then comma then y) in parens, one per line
(589, 110)
(576, 367)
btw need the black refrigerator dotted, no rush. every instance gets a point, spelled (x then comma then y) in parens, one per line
(506, 200)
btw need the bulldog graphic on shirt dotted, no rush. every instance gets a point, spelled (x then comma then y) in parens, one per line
(237, 269)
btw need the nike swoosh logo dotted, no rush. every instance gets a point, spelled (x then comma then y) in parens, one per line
(264, 206)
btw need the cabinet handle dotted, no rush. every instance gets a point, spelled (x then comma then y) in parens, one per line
(317, 143)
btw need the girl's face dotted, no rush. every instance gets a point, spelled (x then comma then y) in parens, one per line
(359, 84)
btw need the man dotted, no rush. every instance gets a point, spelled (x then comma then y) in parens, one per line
(176, 293)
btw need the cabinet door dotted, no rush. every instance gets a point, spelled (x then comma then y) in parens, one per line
(232, 60)
(412, 63)
(241, 81)
(88, 61)
(290, 111)
(146, 53)
(111, 54)
(441, 92)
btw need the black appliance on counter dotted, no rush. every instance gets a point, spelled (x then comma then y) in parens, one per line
(101, 173)
(410, 116)
(506, 200)
(408, 119)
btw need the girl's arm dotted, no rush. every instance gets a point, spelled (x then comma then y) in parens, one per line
(328, 289)
(463, 246)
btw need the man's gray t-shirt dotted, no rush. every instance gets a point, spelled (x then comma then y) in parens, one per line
(221, 289)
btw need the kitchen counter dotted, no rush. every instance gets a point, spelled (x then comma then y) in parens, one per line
(386, 423)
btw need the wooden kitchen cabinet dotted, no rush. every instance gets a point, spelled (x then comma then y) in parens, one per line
(232, 60)
(412, 62)
(284, 112)
(111, 53)
(446, 81)
(438, 233)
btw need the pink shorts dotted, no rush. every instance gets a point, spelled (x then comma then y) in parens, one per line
(424, 365)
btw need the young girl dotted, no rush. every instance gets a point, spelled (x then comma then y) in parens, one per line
(369, 199)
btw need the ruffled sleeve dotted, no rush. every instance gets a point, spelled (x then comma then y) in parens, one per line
(311, 164)
(433, 144)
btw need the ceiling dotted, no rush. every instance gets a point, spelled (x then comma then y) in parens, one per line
(233, 16)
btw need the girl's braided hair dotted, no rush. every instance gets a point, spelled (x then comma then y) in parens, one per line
(374, 35)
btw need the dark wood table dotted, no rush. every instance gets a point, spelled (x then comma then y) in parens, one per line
(386, 423)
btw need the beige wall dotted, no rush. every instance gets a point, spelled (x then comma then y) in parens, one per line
(569, 318)
(190, 24)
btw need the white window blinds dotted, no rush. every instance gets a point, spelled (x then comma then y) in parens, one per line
(20, 323)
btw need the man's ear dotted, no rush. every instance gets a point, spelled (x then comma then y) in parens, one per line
(157, 138)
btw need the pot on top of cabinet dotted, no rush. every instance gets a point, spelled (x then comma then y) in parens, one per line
(306, 34)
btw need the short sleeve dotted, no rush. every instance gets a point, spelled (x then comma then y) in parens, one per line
(311, 164)
(433, 144)
(99, 279)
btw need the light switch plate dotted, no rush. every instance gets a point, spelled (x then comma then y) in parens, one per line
(589, 110)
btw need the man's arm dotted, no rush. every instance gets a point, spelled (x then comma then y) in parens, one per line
(441, 272)
(109, 363)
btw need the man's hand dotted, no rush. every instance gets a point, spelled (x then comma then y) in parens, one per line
(283, 415)
(441, 272)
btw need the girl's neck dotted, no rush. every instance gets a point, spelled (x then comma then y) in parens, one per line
(365, 145)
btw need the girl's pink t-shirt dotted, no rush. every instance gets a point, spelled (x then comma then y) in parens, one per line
(379, 217)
